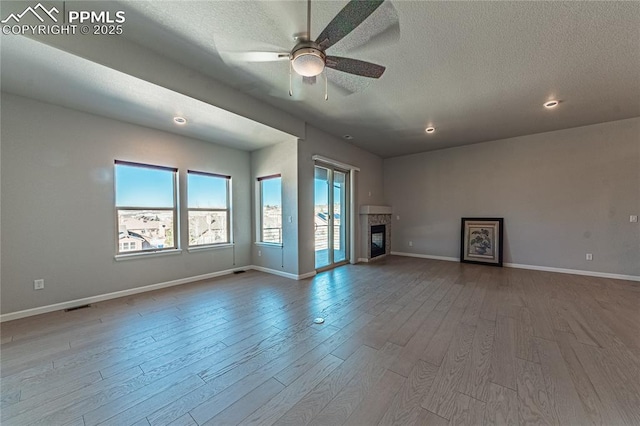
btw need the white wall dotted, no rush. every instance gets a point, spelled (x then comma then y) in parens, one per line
(369, 188)
(278, 159)
(57, 212)
(563, 194)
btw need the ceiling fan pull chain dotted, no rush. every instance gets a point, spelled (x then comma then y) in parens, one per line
(326, 87)
(290, 84)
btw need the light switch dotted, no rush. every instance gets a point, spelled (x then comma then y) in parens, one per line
(633, 218)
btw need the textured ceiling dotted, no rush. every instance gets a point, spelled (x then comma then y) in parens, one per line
(475, 70)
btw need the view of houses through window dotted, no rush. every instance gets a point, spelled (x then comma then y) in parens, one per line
(208, 205)
(145, 206)
(271, 209)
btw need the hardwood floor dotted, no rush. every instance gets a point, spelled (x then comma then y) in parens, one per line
(405, 341)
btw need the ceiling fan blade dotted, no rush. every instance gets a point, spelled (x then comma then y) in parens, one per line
(352, 15)
(346, 84)
(355, 66)
(255, 56)
(380, 30)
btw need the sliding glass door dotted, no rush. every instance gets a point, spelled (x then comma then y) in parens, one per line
(339, 216)
(331, 216)
(321, 216)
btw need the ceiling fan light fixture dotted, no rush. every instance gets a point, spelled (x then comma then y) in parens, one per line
(307, 61)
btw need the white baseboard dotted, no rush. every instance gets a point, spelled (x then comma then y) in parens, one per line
(102, 297)
(364, 259)
(532, 267)
(574, 272)
(282, 273)
(426, 256)
(307, 275)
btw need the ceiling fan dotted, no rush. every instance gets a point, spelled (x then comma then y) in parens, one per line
(308, 58)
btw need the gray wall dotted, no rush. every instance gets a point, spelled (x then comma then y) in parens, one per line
(58, 194)
(295, 163)
(278, 159)
(368, 181)
(58, 203)
(150, 66)
(563, 194)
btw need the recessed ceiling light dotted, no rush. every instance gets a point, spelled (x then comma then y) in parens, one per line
(551, 104)
(180, 120)
(348, 137)
(430, 129)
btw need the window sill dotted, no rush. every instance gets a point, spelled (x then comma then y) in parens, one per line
(262, 244)
(210, 247)
(132, 256)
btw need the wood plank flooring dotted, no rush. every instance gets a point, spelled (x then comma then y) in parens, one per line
(405, 341)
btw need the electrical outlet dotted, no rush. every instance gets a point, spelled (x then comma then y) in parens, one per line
(589, 256)
(410, 243)
(259, 253)
(398, 217)
(38, 284)
(633, 218)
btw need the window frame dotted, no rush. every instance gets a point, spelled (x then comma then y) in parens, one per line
(260, 236)
(227, 210)
(175, 209)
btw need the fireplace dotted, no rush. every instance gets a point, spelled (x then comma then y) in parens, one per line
(375, 232)
(378, 240)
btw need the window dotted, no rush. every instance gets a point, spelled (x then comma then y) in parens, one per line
(271, 209)
(146, 207)
(208, 205)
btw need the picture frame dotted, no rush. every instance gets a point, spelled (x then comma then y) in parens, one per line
(481, 240)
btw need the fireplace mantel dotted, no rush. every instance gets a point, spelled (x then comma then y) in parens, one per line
(369, 209)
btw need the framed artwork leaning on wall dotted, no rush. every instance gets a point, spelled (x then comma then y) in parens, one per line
(481, 240)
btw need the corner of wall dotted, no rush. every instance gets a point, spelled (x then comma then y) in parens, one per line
(277, 159)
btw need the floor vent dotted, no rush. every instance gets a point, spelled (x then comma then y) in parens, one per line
(75, 308)
(239, 272)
